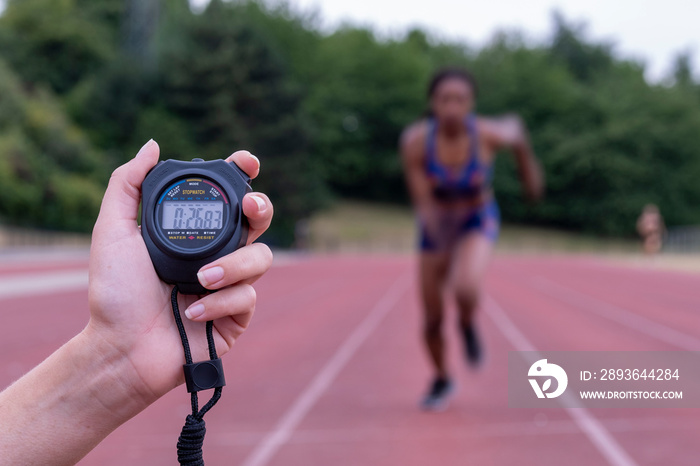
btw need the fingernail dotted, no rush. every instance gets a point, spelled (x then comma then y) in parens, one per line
(194, 311)
(260, 202)
(143, 149)
(256, 159)
(210, 276)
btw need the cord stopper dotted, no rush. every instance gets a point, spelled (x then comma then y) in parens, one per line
(204, 375)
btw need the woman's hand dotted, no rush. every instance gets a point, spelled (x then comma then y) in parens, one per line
(130, 306)
(130, 352)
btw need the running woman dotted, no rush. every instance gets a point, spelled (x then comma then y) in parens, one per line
(651, 228)
(448, 162)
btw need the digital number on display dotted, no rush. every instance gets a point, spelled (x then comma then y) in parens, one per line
(193, 215)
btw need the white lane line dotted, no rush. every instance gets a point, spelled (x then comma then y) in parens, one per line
(32, 284)
(617, 314)
(589, 425)
(281, 433)
(28, 255)
(415, 435)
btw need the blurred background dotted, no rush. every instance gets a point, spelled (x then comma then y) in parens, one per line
(333, 367)
(322, 99)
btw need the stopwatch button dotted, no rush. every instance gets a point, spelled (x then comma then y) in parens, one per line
(198, 160)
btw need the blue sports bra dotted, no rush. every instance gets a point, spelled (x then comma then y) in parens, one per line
(470, 181)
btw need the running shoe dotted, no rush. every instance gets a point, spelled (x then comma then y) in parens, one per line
(439, 395)
(472, 345)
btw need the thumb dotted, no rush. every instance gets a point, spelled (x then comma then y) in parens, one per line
(121, 199)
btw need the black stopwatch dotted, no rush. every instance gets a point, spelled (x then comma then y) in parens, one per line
(191, 214)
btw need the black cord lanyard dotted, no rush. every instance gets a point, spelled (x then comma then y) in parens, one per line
(198, 376)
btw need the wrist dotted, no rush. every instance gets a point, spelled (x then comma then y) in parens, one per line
(110, 377)
(69, 403)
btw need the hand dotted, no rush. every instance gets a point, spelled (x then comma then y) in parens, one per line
(430, 221)
(130, 306)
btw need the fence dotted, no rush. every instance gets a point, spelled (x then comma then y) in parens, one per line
(683, 239)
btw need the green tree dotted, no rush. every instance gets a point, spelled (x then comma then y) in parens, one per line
(363, 92)
(51, 175)
(224, 78)
(85, 83)
(54, 42)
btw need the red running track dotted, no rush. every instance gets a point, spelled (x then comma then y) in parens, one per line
(331, 370)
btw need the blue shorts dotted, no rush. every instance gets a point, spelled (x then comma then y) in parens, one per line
(485, 219)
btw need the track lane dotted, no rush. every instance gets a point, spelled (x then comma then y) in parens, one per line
(596, 331)
(368, 414)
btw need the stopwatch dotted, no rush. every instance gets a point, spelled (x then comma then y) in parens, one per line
(191, 215)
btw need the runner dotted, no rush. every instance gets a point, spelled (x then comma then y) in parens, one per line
(448, 161)
(650, 227)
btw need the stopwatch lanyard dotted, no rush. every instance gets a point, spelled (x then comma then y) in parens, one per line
(189, 444)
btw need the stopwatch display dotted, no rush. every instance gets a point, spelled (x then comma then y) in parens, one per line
(192, 212)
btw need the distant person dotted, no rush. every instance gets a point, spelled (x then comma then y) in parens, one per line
(650, 227)
(448, 161)
(130, 353)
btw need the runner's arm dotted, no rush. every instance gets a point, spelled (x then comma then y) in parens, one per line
(509, 133)
(412, 151)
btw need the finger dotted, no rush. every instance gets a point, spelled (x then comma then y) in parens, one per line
(246, 162)
(258, 209)
(229, 330)
(236, 301)
(245, 263)
(123, 194)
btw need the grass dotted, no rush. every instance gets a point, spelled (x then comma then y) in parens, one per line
(16, 237)
(355, 226)
(358, 226)
(364, 227)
